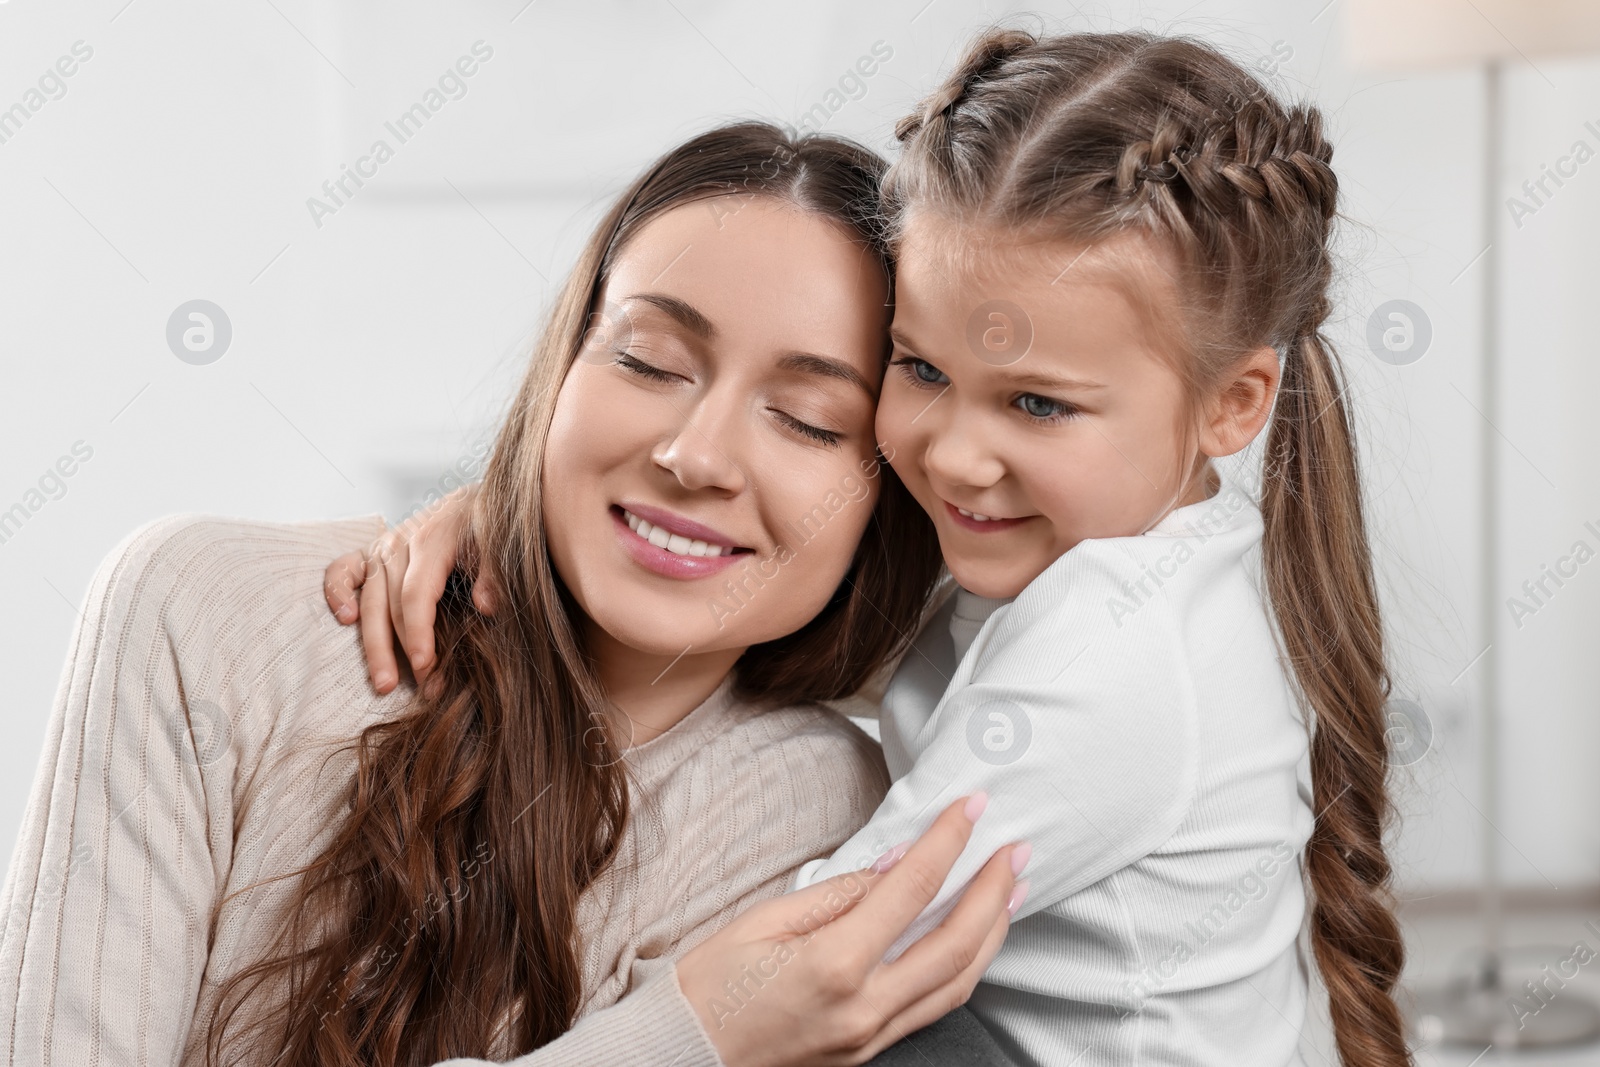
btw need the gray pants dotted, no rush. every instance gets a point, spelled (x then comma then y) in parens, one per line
(957, 1040)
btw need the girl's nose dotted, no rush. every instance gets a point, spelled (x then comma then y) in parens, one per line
(958, 454)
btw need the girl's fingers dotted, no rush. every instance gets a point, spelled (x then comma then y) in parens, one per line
(395, 562)
(484, 597)
(377, 633)
(430, 562)
(341, 583)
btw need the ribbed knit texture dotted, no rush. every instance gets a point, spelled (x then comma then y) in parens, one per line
(198, 745)
(1128, 715)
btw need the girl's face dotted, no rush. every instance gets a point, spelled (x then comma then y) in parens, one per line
(710, 466)
(1026, 386)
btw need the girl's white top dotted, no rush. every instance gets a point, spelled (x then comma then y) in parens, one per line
(1127, 714)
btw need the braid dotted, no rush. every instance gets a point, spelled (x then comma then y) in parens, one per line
(981, 61)
(1085, 136)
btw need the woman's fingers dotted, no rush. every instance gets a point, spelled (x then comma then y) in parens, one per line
(377, 629)
(341, 584)
(937, 973)
(941, 1001)
(806, 911)
(915, 879)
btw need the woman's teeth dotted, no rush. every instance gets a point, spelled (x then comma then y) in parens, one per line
(677, 544)
(974, 515)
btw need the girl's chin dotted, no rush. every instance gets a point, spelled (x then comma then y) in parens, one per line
(988, 578)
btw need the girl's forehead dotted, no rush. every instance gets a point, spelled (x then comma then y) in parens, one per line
(943, 259)
(982, 251)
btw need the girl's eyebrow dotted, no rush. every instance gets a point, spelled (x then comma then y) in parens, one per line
(1053, 381)
(1037, 379)
(681, 311)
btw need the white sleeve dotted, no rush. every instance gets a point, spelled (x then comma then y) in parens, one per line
(1081, 730)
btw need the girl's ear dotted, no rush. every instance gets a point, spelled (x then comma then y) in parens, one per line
(1241, 404)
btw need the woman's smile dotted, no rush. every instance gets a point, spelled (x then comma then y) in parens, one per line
(671, 545)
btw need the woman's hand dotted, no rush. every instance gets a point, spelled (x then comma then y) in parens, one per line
(801, 979)
(400, 580)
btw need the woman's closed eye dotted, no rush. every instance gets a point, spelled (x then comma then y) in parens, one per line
(632, 363)
(805, 429)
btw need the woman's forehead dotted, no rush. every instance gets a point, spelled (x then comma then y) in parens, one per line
(755, 270)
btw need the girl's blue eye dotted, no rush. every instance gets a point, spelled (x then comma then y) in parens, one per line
(1042, 407)
(919, 371)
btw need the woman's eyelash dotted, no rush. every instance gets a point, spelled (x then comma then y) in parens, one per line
(634, 364)
(638, 366)
(816, 433)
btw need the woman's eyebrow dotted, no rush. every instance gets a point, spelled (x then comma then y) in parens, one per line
(826, 367)
(684, 313)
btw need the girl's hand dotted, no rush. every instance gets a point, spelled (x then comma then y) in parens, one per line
(401, 578)
(801, 979)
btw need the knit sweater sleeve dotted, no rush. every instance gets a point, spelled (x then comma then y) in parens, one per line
(653, 1027)
(170, 700)
(1080, 728)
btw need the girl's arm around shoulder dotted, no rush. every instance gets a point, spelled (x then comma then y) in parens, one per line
(1075, 716)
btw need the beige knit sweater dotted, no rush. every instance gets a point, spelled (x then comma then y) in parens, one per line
(194, 749)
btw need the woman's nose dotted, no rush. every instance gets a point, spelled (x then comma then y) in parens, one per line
(700, 454)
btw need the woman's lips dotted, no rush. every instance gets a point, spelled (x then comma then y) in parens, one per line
(981, 525)
(665, 562)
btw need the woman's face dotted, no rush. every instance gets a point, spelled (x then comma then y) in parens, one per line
(710, 468)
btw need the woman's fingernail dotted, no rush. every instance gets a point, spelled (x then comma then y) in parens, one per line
(345, 613)
(975, 805)
(1018, 895)
(382, 678)
(1020, 857)
(890, 858)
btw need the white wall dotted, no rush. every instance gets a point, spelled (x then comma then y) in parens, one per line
(369, 352)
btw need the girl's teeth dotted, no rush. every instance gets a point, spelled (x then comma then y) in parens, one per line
(677, 544)
(973, 515)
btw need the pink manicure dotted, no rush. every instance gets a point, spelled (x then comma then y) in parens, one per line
(1020, 857)
(890, 858)
(1018, 895)
(975, 805)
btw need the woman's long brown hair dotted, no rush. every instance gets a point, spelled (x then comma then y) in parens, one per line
(440, 919)
(1087, 136)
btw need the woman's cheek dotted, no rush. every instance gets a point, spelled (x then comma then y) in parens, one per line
(818, 544)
